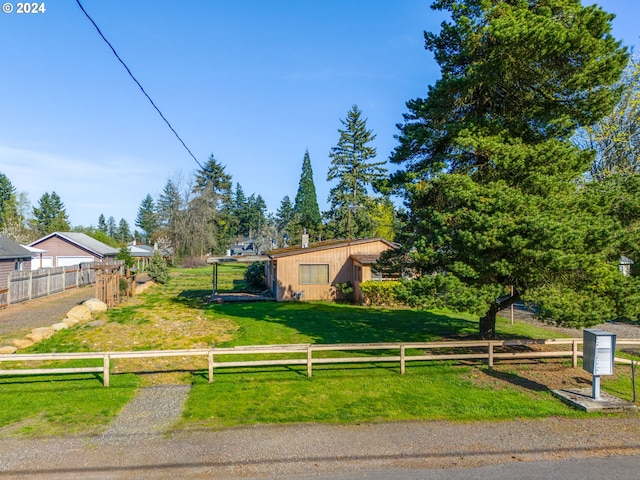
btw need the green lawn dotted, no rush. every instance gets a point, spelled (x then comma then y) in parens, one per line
(176, 315)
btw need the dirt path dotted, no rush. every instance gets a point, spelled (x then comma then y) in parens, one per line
(18, 320)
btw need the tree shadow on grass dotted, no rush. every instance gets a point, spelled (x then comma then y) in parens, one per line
(517, 380)
(333, 323)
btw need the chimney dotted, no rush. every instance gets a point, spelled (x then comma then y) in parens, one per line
(305, 239)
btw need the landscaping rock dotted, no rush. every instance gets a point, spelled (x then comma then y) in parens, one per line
(7, 350)
(80, 312)
(96, 305)
(43, 332)
(20, 343)
(59, 326)
(70, 321)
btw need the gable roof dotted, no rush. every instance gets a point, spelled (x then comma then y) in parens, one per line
(325, 245)
(82, 240)
(10, 249)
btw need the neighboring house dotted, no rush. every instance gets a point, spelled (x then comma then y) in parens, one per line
(625, 265)
(312, 273)
(141, 254)
(72, 248)
(12, 257)
(36, 256)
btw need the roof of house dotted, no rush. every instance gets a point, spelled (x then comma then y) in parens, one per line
(82, 240)
(10, 249)
(325, 245)
(368, 259)
(140, 250)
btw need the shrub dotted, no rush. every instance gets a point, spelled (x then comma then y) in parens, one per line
(157, 268)
(377, 293)
(345, 292)
(254, 276)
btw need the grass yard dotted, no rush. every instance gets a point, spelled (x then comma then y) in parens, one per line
(177, 316)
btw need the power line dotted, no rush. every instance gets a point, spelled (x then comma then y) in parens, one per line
(138, 83)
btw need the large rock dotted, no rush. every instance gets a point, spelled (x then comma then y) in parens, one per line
(70, 321)
(59, 326)
(82, 313)
(7, 350)
(39, 334)
(96, 305)
(20, 343)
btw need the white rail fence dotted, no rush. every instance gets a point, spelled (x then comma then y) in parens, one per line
(484, 350)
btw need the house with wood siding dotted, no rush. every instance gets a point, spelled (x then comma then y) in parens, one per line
(13, 257)
(73, 248)
(312, 273)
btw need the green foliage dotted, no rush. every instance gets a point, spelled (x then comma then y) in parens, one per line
(147, 218)
(306, 203)
(491, 177)
(125, 255)
(351, 202)
(50, 215)
(380, 294)
(7, 199)
(254, 276)
(157, 268)
(345, 292)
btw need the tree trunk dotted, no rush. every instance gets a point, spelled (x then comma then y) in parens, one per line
(487, 324)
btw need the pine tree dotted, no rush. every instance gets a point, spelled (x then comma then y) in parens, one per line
(491, 174)
(112, 228)
(7, 200)
(124, 232)
(306, 204)
(351, 201)
(50, 214)
(284, 222)
(147, 218)
(102, 224)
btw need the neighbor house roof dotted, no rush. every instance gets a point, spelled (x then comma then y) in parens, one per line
(140, 250)
(82, 240)
(325, 245)
(10, 249)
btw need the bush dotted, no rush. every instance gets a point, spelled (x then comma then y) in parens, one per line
(157, 268)
(377, 293)
(345, 292)
(254, 276)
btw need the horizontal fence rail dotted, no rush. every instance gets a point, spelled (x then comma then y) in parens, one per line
(483, 350)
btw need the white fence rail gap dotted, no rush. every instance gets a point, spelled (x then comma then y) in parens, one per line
(484, 350)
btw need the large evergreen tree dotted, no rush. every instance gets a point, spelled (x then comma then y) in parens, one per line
(284, 221)
(147, 218)
(351, 201)
(50, 214)
(306, 204)
(490, 172)
(7, 200)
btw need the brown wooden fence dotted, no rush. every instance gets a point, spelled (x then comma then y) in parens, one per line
(28, 285)
(303, 354)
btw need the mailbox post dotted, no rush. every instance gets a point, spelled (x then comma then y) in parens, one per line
(598, 355)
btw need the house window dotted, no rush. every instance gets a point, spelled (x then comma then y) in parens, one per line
(19, 266)
(357, 273)
(313, 274)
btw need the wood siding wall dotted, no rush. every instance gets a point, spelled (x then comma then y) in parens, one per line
(340, 270)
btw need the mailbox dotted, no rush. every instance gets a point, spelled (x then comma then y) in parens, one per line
(598, 351)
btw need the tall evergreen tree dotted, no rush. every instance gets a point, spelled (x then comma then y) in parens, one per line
(7, 200)
(112, 228)
(491, 173)
(50, 214)
(284, 221)
(102, 223)
(124, 232)
(147, 218)
(306, 203)
(351, 201)
(171, 215)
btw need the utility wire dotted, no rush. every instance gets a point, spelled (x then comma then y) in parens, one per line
(138, 83)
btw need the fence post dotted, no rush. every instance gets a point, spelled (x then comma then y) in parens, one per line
(575, 353)
(309, 361)
(211, 367)
(106, 365)
(490, 361)
(402, 361)
(30, 288)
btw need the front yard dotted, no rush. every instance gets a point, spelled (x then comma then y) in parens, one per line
(177, 316)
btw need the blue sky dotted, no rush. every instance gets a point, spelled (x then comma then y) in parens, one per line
(253, 82)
